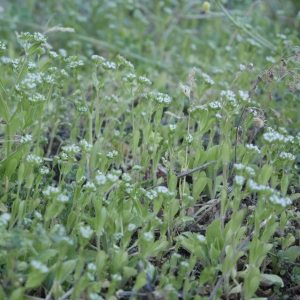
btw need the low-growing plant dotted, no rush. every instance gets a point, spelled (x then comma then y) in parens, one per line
(114, 187)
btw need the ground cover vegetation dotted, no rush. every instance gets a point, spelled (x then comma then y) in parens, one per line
(149, 149)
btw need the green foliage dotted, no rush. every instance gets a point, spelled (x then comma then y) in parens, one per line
(101, 196)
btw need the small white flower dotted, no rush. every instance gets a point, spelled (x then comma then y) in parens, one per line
(89, 186)
(51, 191)
(34, 159)
(287, 156)
(215, 105)
(36, 98)
(25, 139)
(151, 194)
(239, 180)
(112, 177)
(131, 227)
(201, 238)
(62, 198)
(244, 95)
(4, 218)
(71, 149)
(189, 139)
(148, 236)
(108, 65)
(144, 80)
(53, 55)
(253, 148)
(85, 146)
(43, 170)
(184, 264)
(116, 277)
(39, 266)
(280, 201)
(207, 79)
(97, 59)
(172, 127)
(86, 231)
(100, 178)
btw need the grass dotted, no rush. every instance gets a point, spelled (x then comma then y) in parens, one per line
(149, 150)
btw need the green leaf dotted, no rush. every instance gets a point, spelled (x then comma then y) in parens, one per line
(214, 235)
(273, 278)
(291, 253)
(226, 153)
(66, 269)
(4, 111)
(199, 186)
(140, 281)
(46, 255)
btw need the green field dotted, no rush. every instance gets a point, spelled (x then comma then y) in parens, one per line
(149, 149)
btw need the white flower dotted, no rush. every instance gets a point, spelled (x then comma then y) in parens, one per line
(51, 191)
(62, 198)
(36, 98)
(126, 177)
(43, 170)
(207, 79)
(253, 148)
(112, 177)
(97, 59)
(25, 139)
(189, 138)
(239, 180)
(34, 159)
(131, 227)
(39, 266)
(71, 149)
(144, 80)
(273, 137)
(244, 95)
(215, 105)
(53, 55)
(100, 178)
(172, 127)
(287, 156)
(86, 231)
(184, 264)
(116, 277)
(108, 65)
(148, 236)
(85, 146)
(201, 238)
(151, 194)
(280, 201)
(4, 218)
(89, 186)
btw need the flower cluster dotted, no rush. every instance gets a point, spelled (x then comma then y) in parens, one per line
(34, 159)
(36, 98)
(160, 98)
(4, 218)
(144, 80)
(86, 231)
(39, 266)
(207, 79)
(282, 201)
(229, 97)
(85, 146)
(25, 139)
(252, 148)
(109, 65)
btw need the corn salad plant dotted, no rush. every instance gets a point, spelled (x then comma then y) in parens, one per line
(131, 171)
